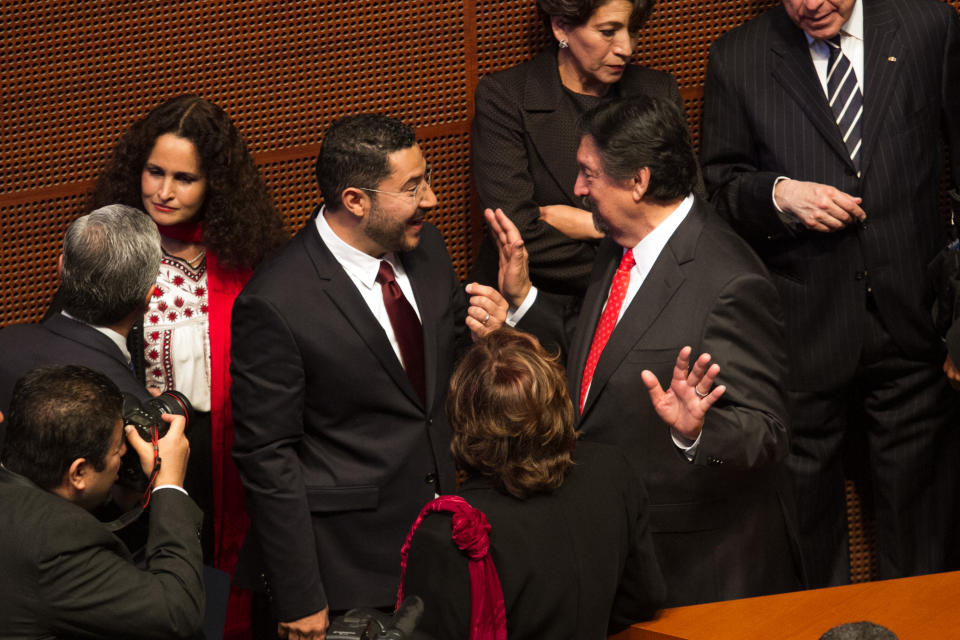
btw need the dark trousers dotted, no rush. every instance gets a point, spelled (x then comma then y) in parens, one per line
(907, 413)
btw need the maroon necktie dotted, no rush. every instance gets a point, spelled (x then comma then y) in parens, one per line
(608, 320)
(406, 328)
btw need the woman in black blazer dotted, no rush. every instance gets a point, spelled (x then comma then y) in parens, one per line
(569, 529)
(525, 134)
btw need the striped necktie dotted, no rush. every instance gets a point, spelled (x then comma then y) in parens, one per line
(846, 101)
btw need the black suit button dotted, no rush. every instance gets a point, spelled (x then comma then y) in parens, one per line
(860, 275)
(430, 478)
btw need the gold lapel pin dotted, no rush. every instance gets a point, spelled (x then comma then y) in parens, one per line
(892, 59)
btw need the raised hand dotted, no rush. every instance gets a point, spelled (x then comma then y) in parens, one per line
(685, 402)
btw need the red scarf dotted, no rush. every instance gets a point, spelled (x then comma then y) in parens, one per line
(230, 519)
(471, 533)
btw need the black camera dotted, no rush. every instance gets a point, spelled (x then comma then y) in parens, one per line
(370, 624)
(144, 416)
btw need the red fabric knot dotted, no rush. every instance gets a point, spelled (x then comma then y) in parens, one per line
(471, 532)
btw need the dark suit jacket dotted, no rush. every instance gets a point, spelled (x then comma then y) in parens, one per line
(719, 523)
(525, 143)
(60, 340)
(571, 563)
(63, 575)
(335, 449)
(766, 116)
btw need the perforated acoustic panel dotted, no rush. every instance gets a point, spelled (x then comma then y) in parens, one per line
(76, 74)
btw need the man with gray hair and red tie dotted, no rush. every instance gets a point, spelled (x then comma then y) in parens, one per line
(672, 278)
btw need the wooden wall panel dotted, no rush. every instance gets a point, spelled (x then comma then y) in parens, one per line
(75, 74)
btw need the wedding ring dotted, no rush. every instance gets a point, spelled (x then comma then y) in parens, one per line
(487, 319)
(696, 389)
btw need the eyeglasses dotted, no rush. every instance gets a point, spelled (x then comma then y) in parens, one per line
(414, 194)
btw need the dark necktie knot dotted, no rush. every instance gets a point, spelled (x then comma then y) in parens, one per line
(385, 274)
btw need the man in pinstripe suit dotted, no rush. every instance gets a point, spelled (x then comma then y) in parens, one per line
(822, 128)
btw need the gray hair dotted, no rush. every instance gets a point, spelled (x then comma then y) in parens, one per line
(110, 258)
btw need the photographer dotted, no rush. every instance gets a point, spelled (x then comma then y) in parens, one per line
(62, 573)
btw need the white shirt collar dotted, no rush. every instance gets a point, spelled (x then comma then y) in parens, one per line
(648, 250)
(115, 338)
(361, 266)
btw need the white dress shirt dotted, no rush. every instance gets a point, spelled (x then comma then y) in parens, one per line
(851, 43)
(362, 270)
(645, 253)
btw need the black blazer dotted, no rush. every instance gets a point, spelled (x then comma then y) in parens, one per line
(766, 116)
(62, 574)
(575, 563)
(524, 149)
(721, 525)
(60, 340)
(335, 449)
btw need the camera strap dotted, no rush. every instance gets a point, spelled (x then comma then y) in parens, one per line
(131, 515)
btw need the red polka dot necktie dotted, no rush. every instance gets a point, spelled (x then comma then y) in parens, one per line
(608, 320)
(406, 328)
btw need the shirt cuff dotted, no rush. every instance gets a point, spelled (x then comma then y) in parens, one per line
(171, 486)
(687, 447)
(515, 315)
(773, 197)
(791, 221)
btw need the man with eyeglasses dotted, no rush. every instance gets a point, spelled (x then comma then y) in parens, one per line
(343, 346)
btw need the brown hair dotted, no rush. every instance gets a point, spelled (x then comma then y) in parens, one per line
(240, 223)
(511, 414)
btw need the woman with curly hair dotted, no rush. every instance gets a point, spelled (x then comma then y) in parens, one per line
(568, 525)
(187, 166)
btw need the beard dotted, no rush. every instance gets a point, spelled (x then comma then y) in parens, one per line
(598, 222)
(390, 233)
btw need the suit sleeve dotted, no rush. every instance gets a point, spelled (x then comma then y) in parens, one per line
(502, 176)
(89, 588)
(268, 398)
(747, 427)
(641, 591)
(552, 319)
(437, 572)
(951, 94)
(740, 191)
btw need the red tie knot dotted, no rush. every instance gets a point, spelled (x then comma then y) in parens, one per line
(385, 274)
(627, 262)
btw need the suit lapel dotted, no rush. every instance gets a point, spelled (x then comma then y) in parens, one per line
(796, 75)
(881, 43)
(661, 284)
(545, 112)
(342, 292)
(84, 334)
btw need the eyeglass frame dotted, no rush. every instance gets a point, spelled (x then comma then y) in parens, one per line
(412, 195)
